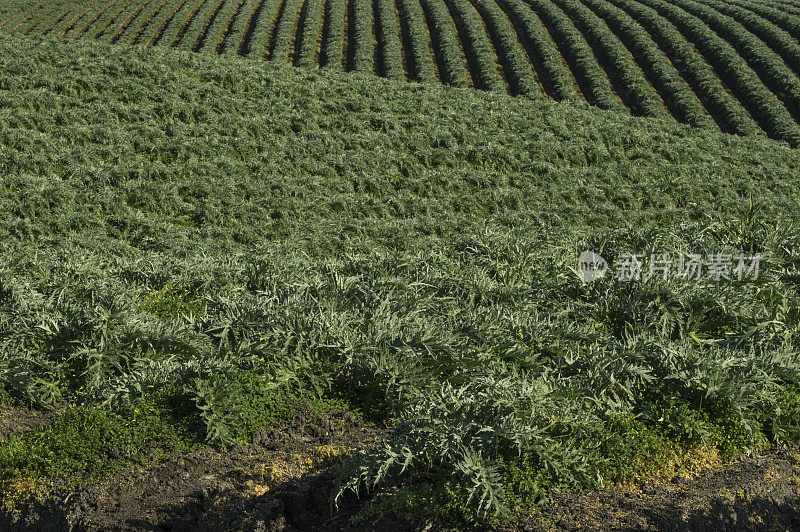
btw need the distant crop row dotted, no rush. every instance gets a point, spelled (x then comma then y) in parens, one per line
(732, 65)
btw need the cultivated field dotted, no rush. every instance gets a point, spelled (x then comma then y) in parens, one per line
(235, 294)
(717, 64)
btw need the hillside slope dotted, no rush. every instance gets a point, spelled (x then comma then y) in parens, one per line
(190, 243)
(731, 65)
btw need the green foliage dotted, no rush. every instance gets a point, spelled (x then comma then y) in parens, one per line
(709, 64)
(443, 500)
(633, 450)
(5, 397)
(408, 250)
(233, 406)
(84, 444)
(170, 302)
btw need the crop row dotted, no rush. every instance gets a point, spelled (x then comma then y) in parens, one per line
(541, 50)
(677, 95)
(135, 27)
(593, 80)
(450, 56)
(15, 22)
(727, 64)
(307, 45)
(769, 66)
(218, 28)
(60, 14)
(482, 60)
(725, 109)
(68, 23)
(631, 83)
(122, 22)
(516, 65)
(257, 45)
(417, 41)
(734, 70)
(111, 14)
(239, 26)
(114, 18)
(388, 37)
(195, 31)
(335, 18)
(361, 53)
(778, 39)
(177, 25)
(788, 22)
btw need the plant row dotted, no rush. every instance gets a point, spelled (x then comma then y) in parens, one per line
(768, 65)
(259, 44)
(143, 19)
(593, 80)
(10, 25)
(418, 50)
(176, 27)
(86, 20)
(359, 38)
(333, 53)
(8, 13)
(516, 66)
(239, 26)
(217, 30)
(679, 98)
(732, 64)
(195, 33)
(45, 29)
(106, 31)
(634, 88)
(155, 28)
(541, 49)
(41, 22)
(475, 42)
(734, 70)
(285, 31)
(450, 55)
(14, 20)
(127, 19)
(726, 110)
(388, 36)
(309, 34)
(778, 39)
(63, 27)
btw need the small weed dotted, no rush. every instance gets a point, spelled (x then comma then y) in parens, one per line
(171, 302)
(17, 491)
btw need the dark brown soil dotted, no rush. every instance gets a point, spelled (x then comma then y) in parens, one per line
(17, 421)
(760, 492)
(282, 481)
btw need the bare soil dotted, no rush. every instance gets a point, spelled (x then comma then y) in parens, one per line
(758, 492)
(282, 481)
(17, 421)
